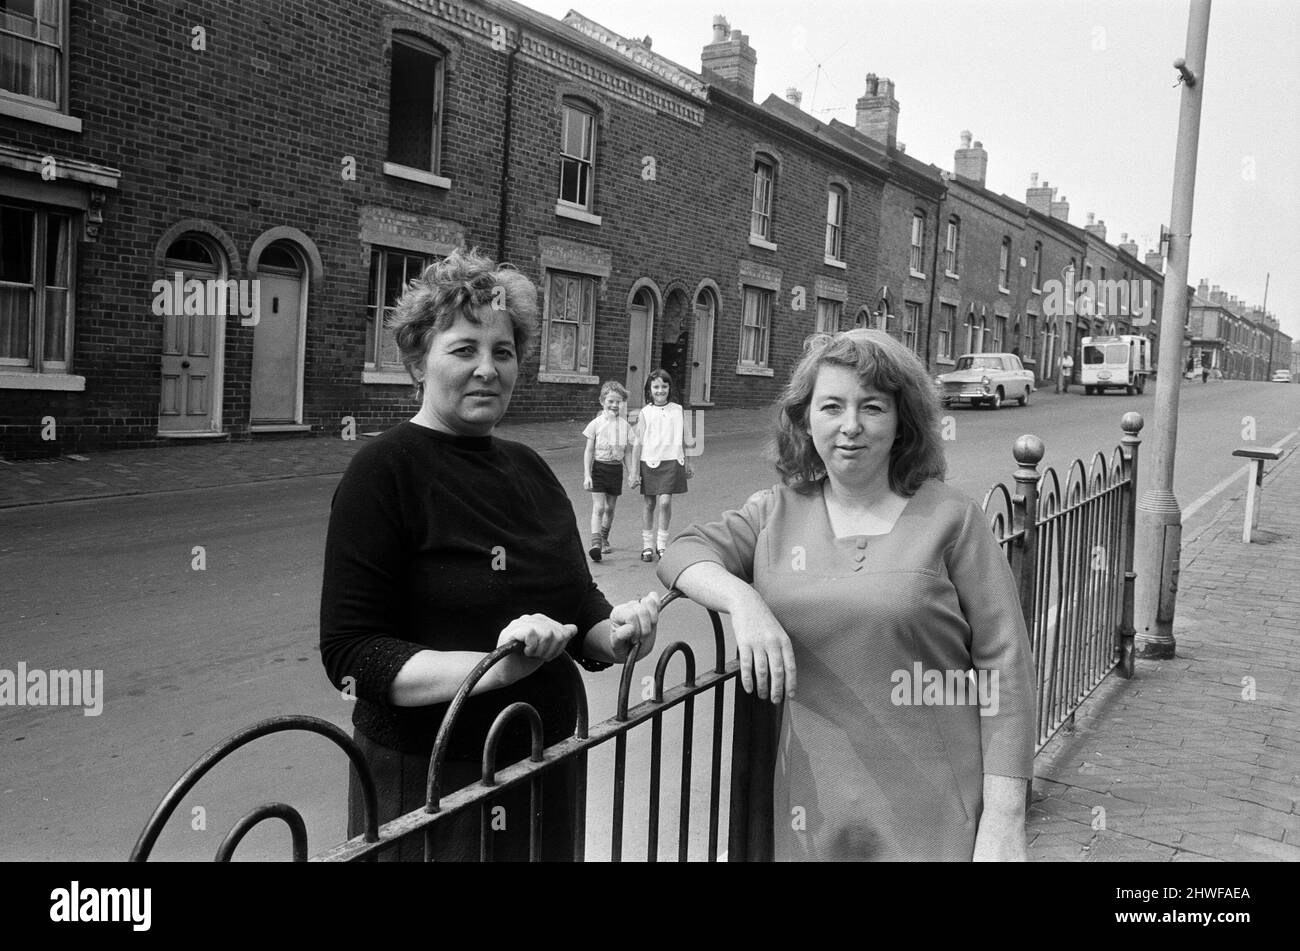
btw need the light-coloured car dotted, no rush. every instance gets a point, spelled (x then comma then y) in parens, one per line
(989, 378)
(1281, 376)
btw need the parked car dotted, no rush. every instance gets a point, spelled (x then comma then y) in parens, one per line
(988, 378)
(1281, 376)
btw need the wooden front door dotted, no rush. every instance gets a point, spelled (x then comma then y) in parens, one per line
(189, 377)
(277, 353)
(639, 331)
(702, 352)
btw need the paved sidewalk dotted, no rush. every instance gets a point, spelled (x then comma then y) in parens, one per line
(1187, 765)
(206, 464)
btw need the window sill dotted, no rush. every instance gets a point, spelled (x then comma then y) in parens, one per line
(386, 376)
(701, 403)
(759, 242)
(953, 275)
(205, 434)
(60, 382)
(1004, 290)
(40, 115)
(280, 428)
(916, 274)
(744, 370)
(416, 175)
(577, 214)
(945, 361)
(583, 378)
(835, 262)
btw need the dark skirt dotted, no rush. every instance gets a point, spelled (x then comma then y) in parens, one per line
(667, 478)
(400, 781)
(607, 477)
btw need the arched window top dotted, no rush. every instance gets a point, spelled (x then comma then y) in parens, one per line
(280, 255)
(190, 249)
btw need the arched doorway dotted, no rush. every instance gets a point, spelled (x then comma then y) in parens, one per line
(640, 333)
(701, 378)
(675, 353)
(193, 336)
(275, 395)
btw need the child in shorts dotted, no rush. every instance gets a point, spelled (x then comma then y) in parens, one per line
(609, 441)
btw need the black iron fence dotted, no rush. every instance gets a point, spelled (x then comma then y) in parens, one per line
(1070, 547)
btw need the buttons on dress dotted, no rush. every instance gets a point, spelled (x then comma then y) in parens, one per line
(859, 557)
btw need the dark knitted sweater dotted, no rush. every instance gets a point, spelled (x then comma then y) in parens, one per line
(438, 542)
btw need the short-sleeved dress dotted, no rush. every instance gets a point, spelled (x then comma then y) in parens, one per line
(914, 669)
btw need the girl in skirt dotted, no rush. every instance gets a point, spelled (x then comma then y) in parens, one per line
(609, 440)
(659, 461)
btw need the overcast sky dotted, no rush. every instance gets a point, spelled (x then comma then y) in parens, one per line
(1080, 91)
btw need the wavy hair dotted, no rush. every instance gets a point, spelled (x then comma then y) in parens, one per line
(880, 362)
(455, 287)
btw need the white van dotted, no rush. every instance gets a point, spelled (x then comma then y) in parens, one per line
(1117, 362)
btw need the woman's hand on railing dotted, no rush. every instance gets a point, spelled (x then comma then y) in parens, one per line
(543, 638)
(633, 627)
(767, 667)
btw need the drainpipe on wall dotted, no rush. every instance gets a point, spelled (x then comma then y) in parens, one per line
(934, 285)
(507, 135)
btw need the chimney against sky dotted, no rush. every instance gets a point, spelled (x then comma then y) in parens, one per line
(1156, 261)
(730, 59)
(794, 97)
(970, 161)
(1060, 209)
(1127, 246)
(1095, 228)
(1039, 197)
(878, 112)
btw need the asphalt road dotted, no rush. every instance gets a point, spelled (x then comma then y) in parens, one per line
(189, 656)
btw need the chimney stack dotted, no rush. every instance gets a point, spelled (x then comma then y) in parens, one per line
(1156, 261)
(970, 161)
(1039, 197)
(1097, 229)
(1203, 290)
(1060, 209)
(794, 97)
(878, 112)
(729, 59)
(1127, 246)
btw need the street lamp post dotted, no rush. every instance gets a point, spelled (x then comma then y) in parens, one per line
(1159, 518)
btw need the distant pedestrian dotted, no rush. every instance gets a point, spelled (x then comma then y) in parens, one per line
(1205, 372)
(609, 444)
(1067, 371)
(659, 461)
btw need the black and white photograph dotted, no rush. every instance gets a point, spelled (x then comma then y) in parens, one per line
(478, 431)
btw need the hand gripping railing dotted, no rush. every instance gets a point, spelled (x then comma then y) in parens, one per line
(753, 752)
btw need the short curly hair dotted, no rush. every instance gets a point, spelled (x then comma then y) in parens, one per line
(454, 287)
(880, 362)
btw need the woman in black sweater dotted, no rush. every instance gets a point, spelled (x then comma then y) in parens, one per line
(446, 542)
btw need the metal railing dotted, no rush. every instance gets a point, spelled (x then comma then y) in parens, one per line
(1071, 551)
(1070, 547)
(753, 751)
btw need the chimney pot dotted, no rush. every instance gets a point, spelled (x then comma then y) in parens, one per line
(1091, 216)
(965, 139)
(1033, 179)
(877, 112)
(793, 96)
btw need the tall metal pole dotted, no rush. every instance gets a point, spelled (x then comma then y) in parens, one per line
(1159, 518)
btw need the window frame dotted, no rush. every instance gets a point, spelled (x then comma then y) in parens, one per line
(1036, 275)
(571, 104)
(1004, 265)
(916, 252)
(585, 324)
(951, 247)
(376, 309)
(19, 100)
(762, 327)
(911, 323)
(832, 307)
(419, 44)
(947, 325)
(37, 364)
(763, 216)
(836, 196)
